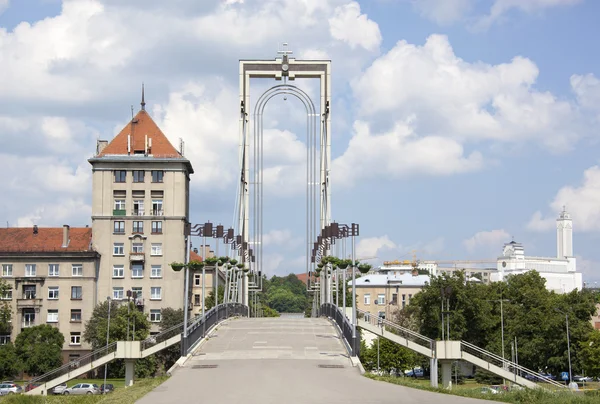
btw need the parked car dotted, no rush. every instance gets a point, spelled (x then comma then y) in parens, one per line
(31, 386)
(10, 388)
(108, 387)
(59, 389)
(82, 388)
(579, 378)
(414, 373)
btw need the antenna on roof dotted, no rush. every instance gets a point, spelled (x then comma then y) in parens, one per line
(132, 113)
(143, 103)
(181, 146)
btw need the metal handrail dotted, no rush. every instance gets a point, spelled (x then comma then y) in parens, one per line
(491, 357)
(378, 321)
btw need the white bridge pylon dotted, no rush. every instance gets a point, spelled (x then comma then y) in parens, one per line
(249, 205)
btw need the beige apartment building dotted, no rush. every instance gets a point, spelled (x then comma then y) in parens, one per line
(52, 276)
(384, 294)
(196, 280)
(140, 205)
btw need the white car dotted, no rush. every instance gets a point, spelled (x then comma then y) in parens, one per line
(59, 389)
(82, 388)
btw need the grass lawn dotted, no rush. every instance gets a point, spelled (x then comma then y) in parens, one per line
(525, 396)
(121, 394)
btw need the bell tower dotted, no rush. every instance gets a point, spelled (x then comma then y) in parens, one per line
(564, 235)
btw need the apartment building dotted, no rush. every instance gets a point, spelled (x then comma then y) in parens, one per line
(196, 280)
(384, 294)
(52, 274)
(140, 205)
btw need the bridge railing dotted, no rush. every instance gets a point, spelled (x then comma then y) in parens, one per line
(516, 369)
(397, 329)
(72, 365)
(199, 326)
(353, 339)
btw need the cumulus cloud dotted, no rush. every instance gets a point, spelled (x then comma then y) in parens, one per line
(486, 240)
(370, 246)
(356, 29)
(581, 202)
(587, 89)
(502, 7)
(443, 11)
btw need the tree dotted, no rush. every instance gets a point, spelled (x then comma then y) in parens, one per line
(210, 299)
(5, 309)
(9, 361)
(168, 356)
(39, 349)
(124, 319)
(392, 357)
(589, 353)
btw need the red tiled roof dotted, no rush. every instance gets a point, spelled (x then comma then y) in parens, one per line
(47, 239)
(141, 125)
(194, 256)
(303, 277)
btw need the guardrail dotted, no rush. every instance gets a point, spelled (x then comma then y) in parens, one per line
(516, 369)
(332, 311)
(82, 361)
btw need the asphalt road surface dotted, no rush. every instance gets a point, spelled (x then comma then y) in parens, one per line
(280, 360)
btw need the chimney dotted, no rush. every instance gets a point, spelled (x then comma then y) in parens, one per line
(196, 250)
(65, 242)
(100, 146)
(35, 229)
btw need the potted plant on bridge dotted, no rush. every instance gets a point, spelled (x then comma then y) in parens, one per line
(195, 265)
(364, 268)
(240, 265)
(345, 263)
(211, 261)
(233, 261)
(177, 266)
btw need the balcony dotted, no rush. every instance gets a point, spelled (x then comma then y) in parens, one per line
(137, 256)
(138, 212)
(29, 303)
(119, 212)
(158, 212)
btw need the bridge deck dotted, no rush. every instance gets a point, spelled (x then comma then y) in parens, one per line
(279, 360)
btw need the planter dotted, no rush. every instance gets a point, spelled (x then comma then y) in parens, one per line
(317, 274)
(212, 261)
(224, 259)
(317, 269)
(364, 268)
(220, 263)
(177, 266)
(233, 261)
(320, 265)
(343, 264)
(246, 270)
(240, 265)
(195, 265)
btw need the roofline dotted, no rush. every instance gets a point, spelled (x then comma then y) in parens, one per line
(143, 159)
(50, 254)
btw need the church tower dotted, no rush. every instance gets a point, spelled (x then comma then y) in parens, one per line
(564, 235)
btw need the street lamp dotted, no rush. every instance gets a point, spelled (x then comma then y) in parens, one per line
(501, 323)
(568, 342)
(108, 300)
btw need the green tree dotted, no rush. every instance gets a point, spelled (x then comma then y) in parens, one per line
(10, 364)
(392, 357)
(39, 349)
(169, 319)
(124, 319)
(210, 299)
(5, 309)
(589, 354)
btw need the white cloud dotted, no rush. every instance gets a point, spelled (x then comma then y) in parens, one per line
(446, 96)
(354, 28)
(502, 7)
(443, 11)
(587, 90)
(486, 240)
(3, 5)
(371, 246)
(590, 270)
(56, 127)
(400, 152)
(281, 238)
(582, 202)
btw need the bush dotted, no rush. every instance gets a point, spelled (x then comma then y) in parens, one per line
(482, 376)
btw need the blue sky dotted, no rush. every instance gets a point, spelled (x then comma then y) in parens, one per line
(489, 114)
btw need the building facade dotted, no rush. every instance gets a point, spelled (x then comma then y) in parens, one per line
(52, 274)
(140, 205)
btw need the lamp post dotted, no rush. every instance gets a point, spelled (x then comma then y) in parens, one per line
(568, 342)
(108, 300)
(354, 231)
(501, 324)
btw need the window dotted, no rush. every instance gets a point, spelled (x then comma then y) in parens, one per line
(403, 301)
(197, 280)
(155, 293)
(137, 247)
(119, 227)
(118, 293)
(380, 299)
(76, 315)
(138, 175)
(156, 271)
(29, 292)
(52, 269)
(156, 249)
(52, 316)
(196, 300)
(137, 291)
(77, 270)
(76, 292)
(155, 316)
(120, 175)
(137, 271)
(118, 271)
(157, 227)
(7, 269)
(394, 299)
(409, 297)
(75, 338)
(157, 175)
(138, 207)
(138, 227)
(119, 204)
(367, 298)
(52, 292)
(157, 207)
(7, 295)
(28, 318)
(29, 269)
(118, 249)
(4, 339)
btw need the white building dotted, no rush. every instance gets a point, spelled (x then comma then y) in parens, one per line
(560, 272)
